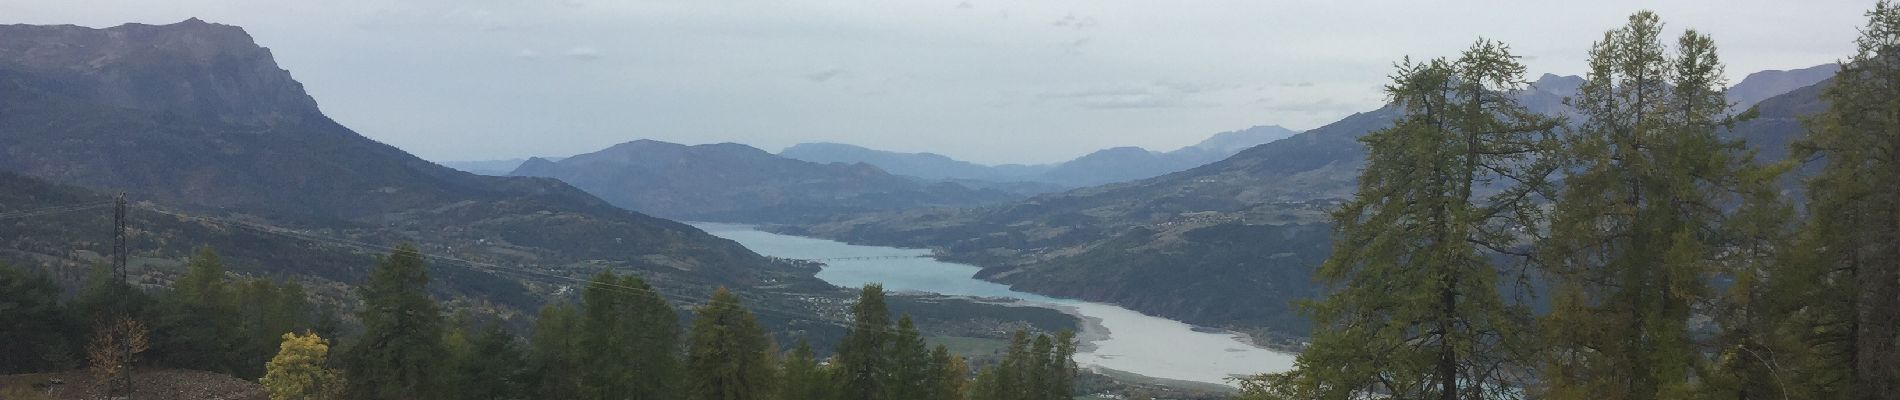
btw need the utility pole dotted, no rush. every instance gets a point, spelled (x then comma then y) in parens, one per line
(118, 272)
(118, 239)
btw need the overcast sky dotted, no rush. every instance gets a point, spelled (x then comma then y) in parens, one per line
(983, 80)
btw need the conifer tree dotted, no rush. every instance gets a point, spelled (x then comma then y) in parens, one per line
(1063, 364)
(951, 375)
(35, 324)
(1033, 368)
(728, 354)
(555, 362)
(1415, 309)
(265, 312)
(488, 364)
(1637, 235)
(864, 359)
(1844, 291)
(802, 377)
(400, 353)
(911, 369)
(629, 341)
(197, 320)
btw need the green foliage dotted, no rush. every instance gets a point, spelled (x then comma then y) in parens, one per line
(629, 341)
(400, 353)
(265, 312)
(728, 355)
(864, 359)
(1638, 234)
(555, 357)
(1415, 310)
(949, 375)
(911, 369)
(802, 377)
(1036, 368)
(488, 362)
(35, 325)
(1847, 269)
(196, 321)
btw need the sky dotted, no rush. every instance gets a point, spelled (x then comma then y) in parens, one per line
(990, 81)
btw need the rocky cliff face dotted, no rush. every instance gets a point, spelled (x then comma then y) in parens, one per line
(191, 68)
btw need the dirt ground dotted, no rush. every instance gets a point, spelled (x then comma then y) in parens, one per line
(148, 384)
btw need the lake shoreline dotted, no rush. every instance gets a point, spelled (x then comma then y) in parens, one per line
(1110, 337)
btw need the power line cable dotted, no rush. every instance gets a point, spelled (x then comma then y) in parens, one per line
(54, 210)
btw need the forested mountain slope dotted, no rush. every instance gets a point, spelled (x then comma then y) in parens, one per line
(1199, 244)
(731, 182)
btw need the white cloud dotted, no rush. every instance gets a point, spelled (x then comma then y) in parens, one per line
(824, 74)
(583, 53)
(1072, 21)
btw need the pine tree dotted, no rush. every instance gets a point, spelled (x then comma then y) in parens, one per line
(629, 337)
(728, 355)
(35, 324)
(802, 377)
(1415, 309)
(1637, 235)
(400, 353)
(554, 364)
(197, 320)
(864, 357)
(1844, 292)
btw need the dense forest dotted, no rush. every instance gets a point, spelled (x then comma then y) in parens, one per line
(621, 341)
(1669, 263)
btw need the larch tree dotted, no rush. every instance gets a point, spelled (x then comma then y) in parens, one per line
(951, 375)
(1846, 289)
(1639, 233)
(728, 356)
(1443, 211)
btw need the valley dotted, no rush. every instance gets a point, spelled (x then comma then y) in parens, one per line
(1649, 227)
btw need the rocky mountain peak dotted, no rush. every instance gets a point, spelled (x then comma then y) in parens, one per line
(192, 68)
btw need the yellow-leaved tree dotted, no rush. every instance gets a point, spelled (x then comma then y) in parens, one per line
(298, 371)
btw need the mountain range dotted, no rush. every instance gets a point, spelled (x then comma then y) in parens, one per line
(731, 182)
(216, 145)
(1104, 166)
(1249, 229)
